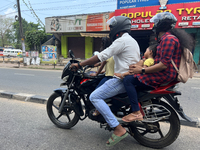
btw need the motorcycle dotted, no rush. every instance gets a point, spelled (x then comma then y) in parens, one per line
(160, 107)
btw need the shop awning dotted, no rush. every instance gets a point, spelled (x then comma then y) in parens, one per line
(100, 35)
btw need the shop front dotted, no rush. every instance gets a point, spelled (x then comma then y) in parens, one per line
(187, 14)
(80, 33)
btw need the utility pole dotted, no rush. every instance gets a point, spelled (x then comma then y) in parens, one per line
(20, 27)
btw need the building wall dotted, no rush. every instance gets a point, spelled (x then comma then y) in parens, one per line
(65, 46)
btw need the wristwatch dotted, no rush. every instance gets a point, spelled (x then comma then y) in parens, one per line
(143, 71)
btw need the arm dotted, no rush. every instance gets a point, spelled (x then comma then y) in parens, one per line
(121, 75)
(100, 69)
(90, 61)
(141, 62)
(155, 68)
(97, 64)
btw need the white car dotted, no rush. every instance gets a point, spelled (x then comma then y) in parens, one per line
(11, 52)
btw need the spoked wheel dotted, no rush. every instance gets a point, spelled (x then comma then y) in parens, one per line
(67, 118)
(160, 128)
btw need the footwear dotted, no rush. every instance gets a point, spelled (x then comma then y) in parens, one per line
(132, 117)
(114, 139)
(96, 113)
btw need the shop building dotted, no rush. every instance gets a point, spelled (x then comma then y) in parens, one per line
(82, 33)
(187, 13)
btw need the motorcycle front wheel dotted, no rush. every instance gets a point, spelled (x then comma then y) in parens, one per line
(161, 133)
(67, 118)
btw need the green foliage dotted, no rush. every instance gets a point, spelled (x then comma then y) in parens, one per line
(34, 35)
(5, 30)
(34, 38)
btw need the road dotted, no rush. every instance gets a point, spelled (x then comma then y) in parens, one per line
(43, 82)
(30, 81)
(25, 126)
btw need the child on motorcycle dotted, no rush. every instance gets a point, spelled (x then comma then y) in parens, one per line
(109, 64)
(147, 61)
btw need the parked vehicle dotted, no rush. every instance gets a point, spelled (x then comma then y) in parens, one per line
(1, 51)
(12, 52)
(161, 124)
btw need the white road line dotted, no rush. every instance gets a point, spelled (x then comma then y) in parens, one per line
(24, 74)
(196, 88)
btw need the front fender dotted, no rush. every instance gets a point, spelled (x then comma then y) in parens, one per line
(60, 91)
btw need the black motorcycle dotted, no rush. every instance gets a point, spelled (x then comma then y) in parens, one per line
(161, 124)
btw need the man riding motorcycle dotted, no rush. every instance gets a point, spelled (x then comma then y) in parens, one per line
(126, 51)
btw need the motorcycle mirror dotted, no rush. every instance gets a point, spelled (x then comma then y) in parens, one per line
(71, 54)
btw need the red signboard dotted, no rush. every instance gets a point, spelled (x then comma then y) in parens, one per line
(98, 22)
(187, 14)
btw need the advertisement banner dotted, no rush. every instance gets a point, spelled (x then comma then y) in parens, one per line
(49, 53)
(98, 22)
(80, 23)
(187, 14)
(122, 4)
(66, 24)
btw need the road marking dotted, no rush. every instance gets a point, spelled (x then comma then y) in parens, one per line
(196, 88)
(24, 74)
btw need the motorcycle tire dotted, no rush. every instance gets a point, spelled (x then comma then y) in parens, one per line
(67, 118)
(156, 138)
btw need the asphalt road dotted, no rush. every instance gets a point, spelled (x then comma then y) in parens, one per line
(30, 81)
(25, 126)
(43, 82)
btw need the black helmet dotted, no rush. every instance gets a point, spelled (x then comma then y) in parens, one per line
(163, 22)
(118, 24)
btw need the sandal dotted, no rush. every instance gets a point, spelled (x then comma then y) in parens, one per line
(96, 113)
(132, 117)
(114, 139)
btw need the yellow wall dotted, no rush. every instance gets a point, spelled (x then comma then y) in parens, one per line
(88, 47)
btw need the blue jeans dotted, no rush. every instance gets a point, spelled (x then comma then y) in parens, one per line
(130, 83)
(104, 80)
(109, 89)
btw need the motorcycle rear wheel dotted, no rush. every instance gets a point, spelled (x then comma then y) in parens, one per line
(159, 136)
(67, 118)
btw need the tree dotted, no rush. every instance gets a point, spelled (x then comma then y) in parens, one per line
(27, 27)
(34, 38)
(5, 27)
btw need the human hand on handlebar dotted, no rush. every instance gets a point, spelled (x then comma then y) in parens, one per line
(74, 66)
(134, 69)
(93, 74)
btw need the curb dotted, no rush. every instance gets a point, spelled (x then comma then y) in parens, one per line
(43, 100)
(24, 97)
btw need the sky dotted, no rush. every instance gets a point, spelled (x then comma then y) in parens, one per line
(49, 8)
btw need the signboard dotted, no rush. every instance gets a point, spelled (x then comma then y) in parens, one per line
(98, 22)
(66, 24)
(122, 4)
(49, 53)
(187, 14)
(79, 23)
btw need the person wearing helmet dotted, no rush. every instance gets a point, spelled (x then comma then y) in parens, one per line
(171, 43)
(125, 51)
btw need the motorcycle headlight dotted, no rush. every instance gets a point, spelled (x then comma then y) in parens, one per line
(65, 78)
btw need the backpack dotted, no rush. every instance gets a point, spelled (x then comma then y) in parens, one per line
(187, 66)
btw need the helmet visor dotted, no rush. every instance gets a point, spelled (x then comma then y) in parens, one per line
(112, 21)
